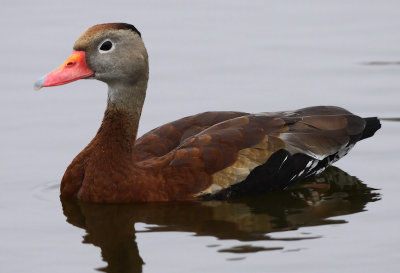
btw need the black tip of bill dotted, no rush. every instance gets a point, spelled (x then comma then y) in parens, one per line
(39, 84)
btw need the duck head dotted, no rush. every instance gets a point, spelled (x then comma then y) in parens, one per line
(113, 53)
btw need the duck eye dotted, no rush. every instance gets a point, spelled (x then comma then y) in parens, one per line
(106, 46)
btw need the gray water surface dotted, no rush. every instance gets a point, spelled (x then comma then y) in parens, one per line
(228, 55)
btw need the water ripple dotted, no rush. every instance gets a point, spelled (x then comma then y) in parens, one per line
(47, 191)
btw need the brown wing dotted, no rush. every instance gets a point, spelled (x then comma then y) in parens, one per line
(229, 151)
(165, 138)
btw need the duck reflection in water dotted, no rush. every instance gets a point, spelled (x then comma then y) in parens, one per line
(310, 203)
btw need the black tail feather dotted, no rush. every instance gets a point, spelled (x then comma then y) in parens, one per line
(283, 169)
(372, 125)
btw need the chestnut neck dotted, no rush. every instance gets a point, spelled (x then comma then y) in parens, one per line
(120, 124)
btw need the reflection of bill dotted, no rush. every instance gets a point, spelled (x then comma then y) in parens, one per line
(310, 203)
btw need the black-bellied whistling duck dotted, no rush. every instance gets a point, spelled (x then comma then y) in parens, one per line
(212, 155)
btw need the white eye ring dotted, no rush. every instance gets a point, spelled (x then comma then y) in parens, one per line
(106, 46)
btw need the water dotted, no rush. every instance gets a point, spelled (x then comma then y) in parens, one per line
(230, 55)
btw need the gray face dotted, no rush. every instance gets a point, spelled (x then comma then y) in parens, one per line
(118, 57)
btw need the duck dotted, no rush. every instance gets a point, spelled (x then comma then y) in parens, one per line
(215, 155)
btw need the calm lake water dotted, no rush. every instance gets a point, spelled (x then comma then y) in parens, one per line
(230, 55)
